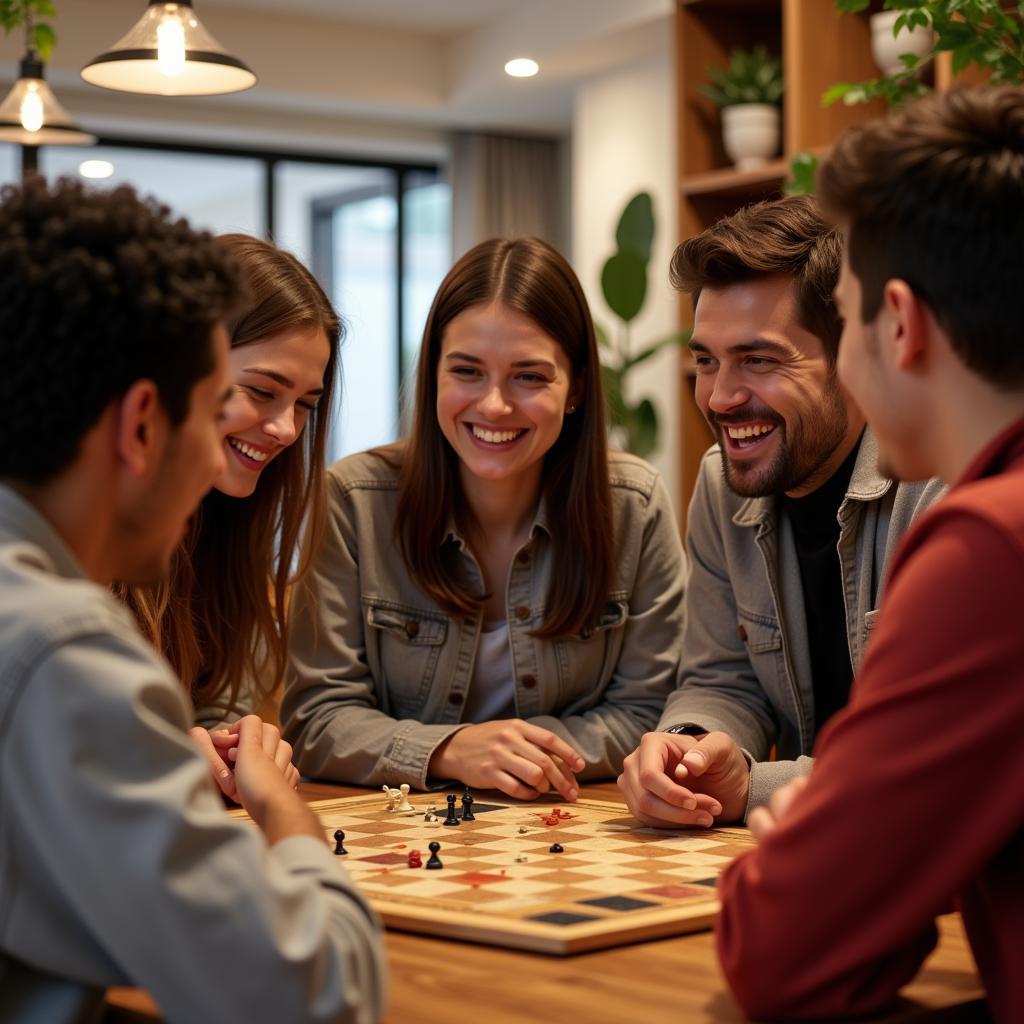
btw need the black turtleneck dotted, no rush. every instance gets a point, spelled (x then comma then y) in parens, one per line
(815, 523)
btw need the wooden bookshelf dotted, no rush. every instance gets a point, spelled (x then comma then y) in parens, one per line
(819, 46)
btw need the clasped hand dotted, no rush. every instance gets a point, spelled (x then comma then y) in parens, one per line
(220, 748)
(671, 781)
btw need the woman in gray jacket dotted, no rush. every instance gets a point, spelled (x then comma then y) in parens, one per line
(498, 600)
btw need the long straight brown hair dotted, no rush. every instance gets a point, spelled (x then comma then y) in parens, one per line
(528, 275)
(221, 616)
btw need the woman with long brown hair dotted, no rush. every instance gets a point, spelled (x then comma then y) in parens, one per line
(498, 600)
(220, 619)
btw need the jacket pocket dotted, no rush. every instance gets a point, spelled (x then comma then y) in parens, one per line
(404, 644)
(587, 659)
(760, 634)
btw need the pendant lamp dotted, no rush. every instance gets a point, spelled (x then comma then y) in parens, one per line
(169, 53)
(32, 115)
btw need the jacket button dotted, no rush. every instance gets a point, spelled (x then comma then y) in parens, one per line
(412, 629)
(742, 633)
(528, 681)
(455, 698)
(522, 612)
(522, 558)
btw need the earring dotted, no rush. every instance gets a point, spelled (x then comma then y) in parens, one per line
(570, 408)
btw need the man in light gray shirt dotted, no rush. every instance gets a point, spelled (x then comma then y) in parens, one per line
(118, 864)
(789, 530)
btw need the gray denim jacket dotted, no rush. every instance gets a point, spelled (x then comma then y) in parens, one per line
(379, 674)
(745, 667)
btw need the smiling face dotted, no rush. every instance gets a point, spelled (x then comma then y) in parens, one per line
(768, 390)
(276, 383)
(503, 387)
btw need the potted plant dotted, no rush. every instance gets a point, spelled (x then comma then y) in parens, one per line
(985, 33)
(892, 38)
(633, 425)
(748, 92)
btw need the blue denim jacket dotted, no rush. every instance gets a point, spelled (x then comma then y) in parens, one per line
(379, 674)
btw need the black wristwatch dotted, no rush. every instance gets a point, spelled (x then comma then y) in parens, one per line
(687, 729)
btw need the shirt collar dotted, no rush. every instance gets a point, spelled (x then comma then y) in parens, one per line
(20, 520)
(866, 484)
(541, 521)
(1005, 448)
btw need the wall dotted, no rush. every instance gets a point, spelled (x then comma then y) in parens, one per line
(623, 142)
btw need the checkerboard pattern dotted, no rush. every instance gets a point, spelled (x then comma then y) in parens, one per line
(614, 881)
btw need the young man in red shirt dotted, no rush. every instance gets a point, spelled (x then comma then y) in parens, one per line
(916, 800)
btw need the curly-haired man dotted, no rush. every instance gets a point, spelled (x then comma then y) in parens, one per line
(117, 862)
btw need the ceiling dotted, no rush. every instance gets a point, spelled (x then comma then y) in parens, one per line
(431, 65)
(433, 17)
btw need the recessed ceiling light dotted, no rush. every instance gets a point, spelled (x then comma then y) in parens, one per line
(522, 67)
(95, 168)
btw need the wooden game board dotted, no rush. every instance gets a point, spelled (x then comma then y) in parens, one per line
(615, 883)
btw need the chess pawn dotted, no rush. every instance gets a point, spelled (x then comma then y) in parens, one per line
(339, 842)
(405, 807)
(434, 862)
(467, 807)
(415, 860)
(452, 818)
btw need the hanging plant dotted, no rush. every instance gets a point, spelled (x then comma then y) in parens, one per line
(39, 34)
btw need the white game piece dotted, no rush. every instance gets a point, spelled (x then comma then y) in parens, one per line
(522, 829)
(405, 807)
(393, 796)
(521, 859)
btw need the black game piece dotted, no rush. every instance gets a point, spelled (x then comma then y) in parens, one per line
(467, 807)
(451, 819)
(339, 842)
(556, 848)
(434, 862)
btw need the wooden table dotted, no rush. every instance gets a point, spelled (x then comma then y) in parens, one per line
(676, 980)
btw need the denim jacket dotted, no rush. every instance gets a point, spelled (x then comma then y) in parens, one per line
(379, 674)
(746, 667)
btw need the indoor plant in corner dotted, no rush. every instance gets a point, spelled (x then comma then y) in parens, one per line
(748, 92)
(633, 425)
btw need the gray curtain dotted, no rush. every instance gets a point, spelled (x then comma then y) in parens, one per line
(507, 186)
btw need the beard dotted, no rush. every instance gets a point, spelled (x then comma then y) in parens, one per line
(805, 445)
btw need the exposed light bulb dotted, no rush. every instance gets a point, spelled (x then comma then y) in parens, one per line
(31, 111)
(170, 47)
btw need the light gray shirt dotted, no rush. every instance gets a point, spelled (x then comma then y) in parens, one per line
(118, 864)
(492, 690)
(379, 673)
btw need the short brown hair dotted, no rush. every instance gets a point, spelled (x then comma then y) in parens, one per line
(783, 237)
(933, 195)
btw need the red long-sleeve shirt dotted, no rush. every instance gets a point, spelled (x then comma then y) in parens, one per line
(916, 800)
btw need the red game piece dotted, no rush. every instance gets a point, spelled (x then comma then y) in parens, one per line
(414, 859)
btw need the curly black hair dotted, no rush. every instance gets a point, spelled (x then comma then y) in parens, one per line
(98, 290)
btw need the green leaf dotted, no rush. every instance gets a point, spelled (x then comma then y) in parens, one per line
(635, 232)
(624, 284)
(852, 6)
(602, 336)
(643, 429)
(802, 169)
(44, 39)
(835, 92)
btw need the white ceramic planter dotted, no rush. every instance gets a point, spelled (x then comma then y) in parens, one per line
(750, 132)
(887, 48)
